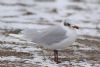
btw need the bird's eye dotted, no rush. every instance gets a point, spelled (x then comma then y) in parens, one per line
(67, 24)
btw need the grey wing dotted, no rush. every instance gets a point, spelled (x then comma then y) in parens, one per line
(52, 36)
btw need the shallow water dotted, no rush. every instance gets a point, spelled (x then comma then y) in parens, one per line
(85, 13)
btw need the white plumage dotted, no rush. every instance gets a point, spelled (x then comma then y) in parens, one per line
(58, 36)
(54, 37)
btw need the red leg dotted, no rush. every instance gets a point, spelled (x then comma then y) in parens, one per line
(56, 56)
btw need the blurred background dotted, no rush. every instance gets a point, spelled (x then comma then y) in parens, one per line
(21, 14)
(17, 15)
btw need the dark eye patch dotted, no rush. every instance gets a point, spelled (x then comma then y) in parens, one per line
(67, 24)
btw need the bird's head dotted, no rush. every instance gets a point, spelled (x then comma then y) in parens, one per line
(71, 26)
(67, 24)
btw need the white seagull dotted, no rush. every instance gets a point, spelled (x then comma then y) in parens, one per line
(55, 37)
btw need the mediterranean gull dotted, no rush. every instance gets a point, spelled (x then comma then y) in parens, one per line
(56, 37)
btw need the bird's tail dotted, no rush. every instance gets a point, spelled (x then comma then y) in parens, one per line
(30, 34)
